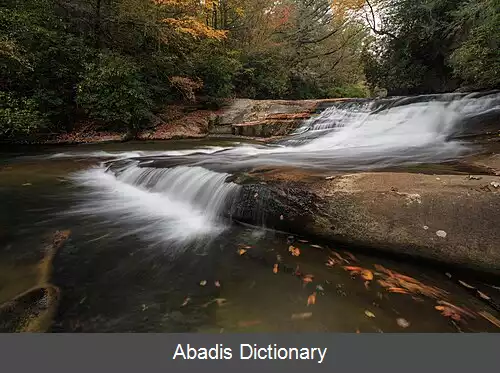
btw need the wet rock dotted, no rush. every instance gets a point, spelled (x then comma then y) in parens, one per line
(360, 209)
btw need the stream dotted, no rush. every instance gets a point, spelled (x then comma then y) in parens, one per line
(150, 251)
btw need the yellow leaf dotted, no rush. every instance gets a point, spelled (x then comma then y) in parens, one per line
(369, 314)
(367, 275)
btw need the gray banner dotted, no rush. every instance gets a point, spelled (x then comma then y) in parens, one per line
(125, 353)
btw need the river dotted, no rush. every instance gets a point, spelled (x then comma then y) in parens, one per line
(149, 250)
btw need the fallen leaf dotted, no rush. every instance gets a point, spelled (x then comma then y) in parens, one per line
(357, 331)
(398, 290)
(186, 301)
(27, 184)
(316, 246)
(301, 316)
(351, 256)
(294, 250)
(220, 301)
(308, 278)
(466, 284)
(367, 285)
(311, 299)
(320, 288)
(403, 323)
(275, 269)
(439, 308)
(457, 309)
(339, 257)
(304, 241)
(246, 324)
(246, 247)
(203, 282)
(282, 217)
(351, 268)
(369, 314)
(241, 251)
(331, 262)
(367, 275)
(482, 295)
(217, 284)
(488, 316)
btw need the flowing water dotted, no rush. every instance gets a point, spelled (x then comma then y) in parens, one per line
(150, 249)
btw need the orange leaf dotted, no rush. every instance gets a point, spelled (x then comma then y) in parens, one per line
(350, 268)
(311, 299)
(398, 290)
(367, 275)
(241, 251)
(275, 269)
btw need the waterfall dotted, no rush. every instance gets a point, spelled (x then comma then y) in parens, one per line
(177, 204)
(180, 196)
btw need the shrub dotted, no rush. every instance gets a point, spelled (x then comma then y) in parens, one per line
(19, 116)
(113, 91)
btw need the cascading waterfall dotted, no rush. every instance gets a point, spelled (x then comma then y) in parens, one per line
(177, 204)
(184, 202)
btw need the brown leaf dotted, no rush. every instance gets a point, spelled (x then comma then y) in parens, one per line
(311, 299)
(351, 256)
(220, 301)
(398, 290)
(275, 269)
(294, 250)
(301, 316)
(457, 309)
(488, 316)
(308, 278)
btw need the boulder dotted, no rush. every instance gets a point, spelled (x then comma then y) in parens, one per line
(451, 219)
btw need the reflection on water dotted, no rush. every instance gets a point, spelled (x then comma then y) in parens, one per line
(114, 276)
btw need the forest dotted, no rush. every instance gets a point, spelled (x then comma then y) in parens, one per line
(116, 62)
